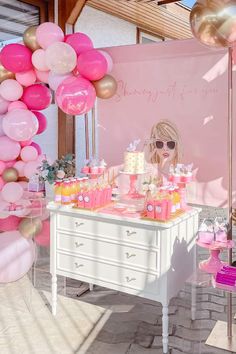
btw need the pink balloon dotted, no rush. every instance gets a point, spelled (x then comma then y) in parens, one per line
(26, 78)
(42, 120)
(12, 192)
(1, 128)
(37, 97)
(2, 166)
(19, 166)
(37, 147)
(10, 163)
(24, 185)
(20, 124)
(108, 59)
(25, 143)
(48, 33)
(43, 238)
(39, 60)
(92, 65)
(80, 42)
(17, 256)
(75, 95)
(9, 224)
(3, 105)
(10, 149)
(61, 58)
(54, 80)
(16, 105)
(11, 90)
(29, 153)
(31, 168)
(2, 183)
(42, 76)
(16, 58)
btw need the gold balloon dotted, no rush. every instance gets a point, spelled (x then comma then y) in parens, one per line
(29, 38)
(106, 87)
(30, 227)
(213, 22)
(10, 174)
(5, 74)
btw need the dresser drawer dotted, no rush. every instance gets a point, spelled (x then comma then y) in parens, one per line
(106, 272)
(118, 253)
(124, 232)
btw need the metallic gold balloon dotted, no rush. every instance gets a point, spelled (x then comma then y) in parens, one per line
(29, 38)
(106, 87)
(10, 174)
(5, 74)
(30, 227)
(213, 22)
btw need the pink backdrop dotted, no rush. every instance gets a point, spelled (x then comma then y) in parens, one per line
(184, 82)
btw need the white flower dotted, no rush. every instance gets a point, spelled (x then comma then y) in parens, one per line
(60, 174)
(44, 173)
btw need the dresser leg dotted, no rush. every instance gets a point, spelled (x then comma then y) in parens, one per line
(165, 323)
(54, 295)
(90, 287)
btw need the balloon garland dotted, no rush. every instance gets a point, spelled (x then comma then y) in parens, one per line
(46, 61)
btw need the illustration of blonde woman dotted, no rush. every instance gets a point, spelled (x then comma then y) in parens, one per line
(164, 147)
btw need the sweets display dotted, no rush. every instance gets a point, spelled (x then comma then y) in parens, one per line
(213, 231)
(181, 173)
(94, 167)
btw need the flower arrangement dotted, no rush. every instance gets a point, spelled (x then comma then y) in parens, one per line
(61, 168)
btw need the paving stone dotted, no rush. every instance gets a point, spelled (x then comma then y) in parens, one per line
(218, 316)
(145, 328)
(190, 334)
(115, 332)
(148, 317)
(212, 306)
(107, 348)
(136, 349)
(203, 324)
(144, 341)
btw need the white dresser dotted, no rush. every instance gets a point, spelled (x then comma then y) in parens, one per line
(135, 256)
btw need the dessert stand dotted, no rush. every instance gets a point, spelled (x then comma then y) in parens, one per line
(133, 192)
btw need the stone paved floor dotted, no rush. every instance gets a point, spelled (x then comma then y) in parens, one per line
(135, 324)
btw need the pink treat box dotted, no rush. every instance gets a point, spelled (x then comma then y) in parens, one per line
(85, 169)
(150, 209)
(89, 199)
(80, 202)
(160, 210)
(98, 197)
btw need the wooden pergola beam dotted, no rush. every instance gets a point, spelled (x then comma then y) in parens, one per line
(68, 12)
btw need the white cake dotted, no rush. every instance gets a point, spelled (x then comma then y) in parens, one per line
(134, 162)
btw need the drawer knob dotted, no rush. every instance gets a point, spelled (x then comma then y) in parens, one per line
(128, 279)
(78, 244)
(77, 265)
(130, 255)
(130, 233)
(78, 224)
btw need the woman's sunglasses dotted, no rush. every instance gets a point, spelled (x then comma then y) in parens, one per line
(170, 144)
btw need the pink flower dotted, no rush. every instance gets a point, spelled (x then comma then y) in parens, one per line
(60, 174)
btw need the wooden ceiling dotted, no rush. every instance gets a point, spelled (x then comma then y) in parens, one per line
(170, 20)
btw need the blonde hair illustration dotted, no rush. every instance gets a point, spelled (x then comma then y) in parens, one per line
(165, 131)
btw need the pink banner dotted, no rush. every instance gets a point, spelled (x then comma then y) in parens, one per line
(185, 83)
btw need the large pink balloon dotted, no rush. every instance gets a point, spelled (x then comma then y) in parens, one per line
(11, 90)
(61, 58)
(1, 128)
(43, 238)
(12, 192)
(3, 105)
(20, 124)
(42, 120)
(37, 97)
(9, 150)
(19, 166)
(92, 65)
(17, 256)
(26, 78)
(54, 80)
(75, 95)
(31, 168)
(16, 105)
(80, 42)
(37, 147)
(48, 33)
(42, 76)
(16, 58)
(29, 153)
(2, 166)
(108, 59)
(39, 60)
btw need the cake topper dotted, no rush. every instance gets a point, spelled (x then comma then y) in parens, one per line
(133, 146)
